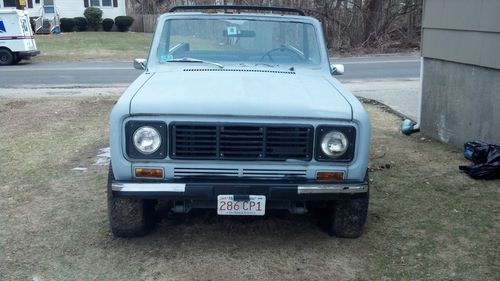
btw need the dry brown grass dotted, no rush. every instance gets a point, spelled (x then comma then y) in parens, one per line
(426, 220)
(76, 46)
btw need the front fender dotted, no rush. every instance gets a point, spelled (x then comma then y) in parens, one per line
(122, 168)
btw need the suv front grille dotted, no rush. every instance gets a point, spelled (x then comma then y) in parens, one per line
(240, 141)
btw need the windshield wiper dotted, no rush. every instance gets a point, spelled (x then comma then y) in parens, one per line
(265, 64)
(291, 68)
(196, 60)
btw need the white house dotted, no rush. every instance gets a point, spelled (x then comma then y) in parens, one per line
(69, 8)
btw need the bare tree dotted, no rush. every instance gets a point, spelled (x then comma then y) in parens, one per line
(385, 25)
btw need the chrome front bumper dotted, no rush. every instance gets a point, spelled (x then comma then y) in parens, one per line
(181, 187)
(208, 190)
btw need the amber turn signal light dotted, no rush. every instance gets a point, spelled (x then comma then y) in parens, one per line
(148, 173)
(329, 176)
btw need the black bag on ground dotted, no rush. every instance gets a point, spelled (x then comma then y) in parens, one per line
(486, 159)
(476, 151)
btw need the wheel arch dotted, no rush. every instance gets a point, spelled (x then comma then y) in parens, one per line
(7, 48)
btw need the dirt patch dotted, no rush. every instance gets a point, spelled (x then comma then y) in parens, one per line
(21, 117)
(426, 220)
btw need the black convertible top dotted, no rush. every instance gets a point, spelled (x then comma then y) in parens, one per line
(238, 8)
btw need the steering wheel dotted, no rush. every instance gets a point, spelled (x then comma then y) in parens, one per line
(284, 48)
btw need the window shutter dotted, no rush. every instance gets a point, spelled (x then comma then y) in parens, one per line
(86, 3)
(115, 3)
(30, 3)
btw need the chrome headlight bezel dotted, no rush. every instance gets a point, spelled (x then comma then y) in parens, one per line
(133, 152)
(323, 131)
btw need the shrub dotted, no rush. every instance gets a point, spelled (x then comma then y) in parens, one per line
(123, 23)
(93, 16)
(80, 23)
(107, 24)
(67, 24)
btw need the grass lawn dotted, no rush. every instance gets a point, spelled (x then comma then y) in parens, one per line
(427, 221)
(93, 45)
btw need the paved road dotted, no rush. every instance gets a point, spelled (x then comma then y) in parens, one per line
(379, 67)
(113, 73)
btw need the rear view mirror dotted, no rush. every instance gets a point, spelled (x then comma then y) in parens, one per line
(140, 64)
(337, 69)
(238, 33)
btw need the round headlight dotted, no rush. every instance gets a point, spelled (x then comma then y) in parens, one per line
(147, 140)
(334, 144)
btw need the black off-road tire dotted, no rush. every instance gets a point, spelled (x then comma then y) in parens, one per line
(6, 57)
(128, 217)
(348, 217)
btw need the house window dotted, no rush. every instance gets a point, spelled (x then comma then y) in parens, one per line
(9, 3)
(49, 9)
(101, 3)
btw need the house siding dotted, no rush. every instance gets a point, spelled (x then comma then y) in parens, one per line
(461, 70)
(75, 8)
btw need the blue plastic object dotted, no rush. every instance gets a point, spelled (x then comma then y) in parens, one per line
(408, 127)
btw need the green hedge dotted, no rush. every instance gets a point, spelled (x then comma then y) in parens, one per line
(80, 23)
(67, 24)
(123, 23)
(107, 24)
(93, 16)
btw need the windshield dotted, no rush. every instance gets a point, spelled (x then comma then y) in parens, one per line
(240, 41)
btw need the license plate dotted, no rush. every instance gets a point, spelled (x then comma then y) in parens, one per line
(228, 206)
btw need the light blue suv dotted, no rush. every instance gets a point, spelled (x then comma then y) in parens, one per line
(238, 112)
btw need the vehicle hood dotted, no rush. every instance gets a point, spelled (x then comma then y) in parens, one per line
(240, 93)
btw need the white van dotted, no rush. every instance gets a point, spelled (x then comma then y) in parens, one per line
(16, 37)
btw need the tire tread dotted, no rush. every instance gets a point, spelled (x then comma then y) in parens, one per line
(128, 217)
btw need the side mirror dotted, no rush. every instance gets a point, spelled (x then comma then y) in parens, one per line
(140, 64)
(337, 69)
